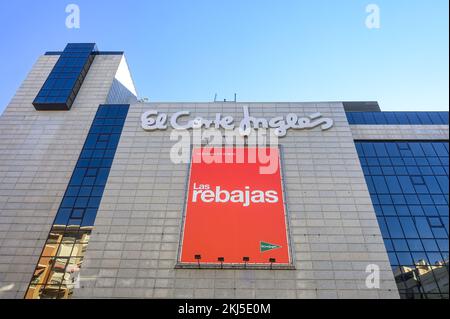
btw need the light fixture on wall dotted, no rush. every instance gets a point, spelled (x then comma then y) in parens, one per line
(221, 260)
(272, 260)
(198, 257)
(245, 260)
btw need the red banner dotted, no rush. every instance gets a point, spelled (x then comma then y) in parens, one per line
(235, 211)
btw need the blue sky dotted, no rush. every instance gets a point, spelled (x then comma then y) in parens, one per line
(299, 50)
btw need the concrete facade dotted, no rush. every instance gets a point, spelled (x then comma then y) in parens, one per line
(38, 152)
(333, 226)
(133, 249)
(400, 132)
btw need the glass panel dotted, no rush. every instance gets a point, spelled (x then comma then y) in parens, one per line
(398, 118)
(408, 184)
(56, 274)
(58, 89)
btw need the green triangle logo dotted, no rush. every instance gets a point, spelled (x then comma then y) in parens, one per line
(267, 246)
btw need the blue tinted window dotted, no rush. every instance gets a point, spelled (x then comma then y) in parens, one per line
(398, 118)
(393, 185)
(91, 173)
(64, 81)
(394, 227)
(408, 227)
(400, 245)
(415, 245)
(408, 184)
(78, 209)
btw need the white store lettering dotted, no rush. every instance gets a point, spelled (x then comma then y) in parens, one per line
(153, 120)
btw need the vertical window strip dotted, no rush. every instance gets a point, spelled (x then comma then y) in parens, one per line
(65, 80)
(56, 273)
